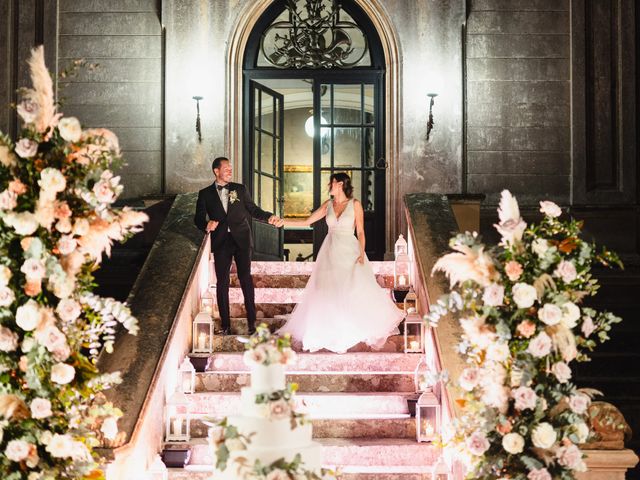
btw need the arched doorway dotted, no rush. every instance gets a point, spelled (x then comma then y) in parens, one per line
(313, 104)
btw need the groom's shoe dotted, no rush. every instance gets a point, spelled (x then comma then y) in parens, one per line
(225, 331)
(252, 329)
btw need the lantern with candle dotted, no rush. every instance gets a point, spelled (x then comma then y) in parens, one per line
(206, 302)
(440, 470)
(427, 417)
(401, 265)
(178, 418)
(414, 333)
(202, 339)
(187, 377)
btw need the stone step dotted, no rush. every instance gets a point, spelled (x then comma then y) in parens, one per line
(263, 310)
(326, 362)
(271, 295)
(230, 343)
(319, 405)
(305, 268)
(381, 427)
(314, 382)
(185, 474)
(263, 280)
(353, 455)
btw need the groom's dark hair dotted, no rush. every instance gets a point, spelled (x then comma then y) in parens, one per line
(217, 162)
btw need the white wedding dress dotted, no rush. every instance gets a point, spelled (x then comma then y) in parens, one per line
(342, 304)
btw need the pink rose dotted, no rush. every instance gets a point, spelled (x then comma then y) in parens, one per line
(17, 187)
(566, 271)
(550, 314)
(540, 345)
(279, 409)
(526, 328)
(539, 474)
(469, 378)
(493, 295)
(61, 210)
(7, 297)
(562, 371)
(587, 326)
(8, 200)
(17, 450)
(550, 209)
(570, 456)
(477, 443)
(51, 337)
(513, 270)
(579, 403)
(26, 148)
(8, 340)
(68, 309)
(40, 408)
(28, 108)
(67, 244)
(33, 269)
(525, 398)
(62, 373)
(103, 192)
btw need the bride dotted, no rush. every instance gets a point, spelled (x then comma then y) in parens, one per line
(342, 304)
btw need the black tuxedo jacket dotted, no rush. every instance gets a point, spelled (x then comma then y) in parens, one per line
(235, 222)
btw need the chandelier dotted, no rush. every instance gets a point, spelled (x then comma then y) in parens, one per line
(314, 36)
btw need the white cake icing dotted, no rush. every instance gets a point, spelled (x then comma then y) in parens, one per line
(268, 432)
(267, 379)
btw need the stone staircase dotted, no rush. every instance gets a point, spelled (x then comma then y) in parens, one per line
(357, 401)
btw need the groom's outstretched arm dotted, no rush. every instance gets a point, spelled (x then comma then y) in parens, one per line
(200, 218)
(254, 210)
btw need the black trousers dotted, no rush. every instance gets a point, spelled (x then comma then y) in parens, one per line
(223, 255)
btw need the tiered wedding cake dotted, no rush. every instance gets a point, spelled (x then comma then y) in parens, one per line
(269, 436)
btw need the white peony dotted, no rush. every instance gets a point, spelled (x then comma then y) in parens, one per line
(17, 450)
(62, 373)
(570, 314)
(60, 446)
(52, 180)
(498, 351)
(540, 246)
(493, 295)
(550, 314)
(540, 345)
(566, 271)
(40, 408)
(524, 295)
(68, 309)
(26, 148)
(28, 316)
(70, 129)
(7, 297)
(525, 398)
(544, 435)
(33, 269)
(562, 371)
(513, 443)
(109, 428)
(550, 209)
(8, 340)
(24, 223)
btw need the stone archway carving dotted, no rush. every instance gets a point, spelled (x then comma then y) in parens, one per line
(389, 39)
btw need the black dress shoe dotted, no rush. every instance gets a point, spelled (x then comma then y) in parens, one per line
(225, 331)
(252, 330)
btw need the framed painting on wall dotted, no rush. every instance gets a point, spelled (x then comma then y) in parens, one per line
(298, 191)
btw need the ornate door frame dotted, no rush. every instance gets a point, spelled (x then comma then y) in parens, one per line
(388, 37)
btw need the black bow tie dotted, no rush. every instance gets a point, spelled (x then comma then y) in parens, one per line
(220, 187)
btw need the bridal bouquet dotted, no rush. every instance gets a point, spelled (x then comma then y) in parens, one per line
(265, 348)
(519, 308)
(56, 220)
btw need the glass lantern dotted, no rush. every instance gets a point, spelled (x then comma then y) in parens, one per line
(187, 377)
(414, 330)
(158, 470)
(427, 417)
(401, 265)
(440, 470)
(202, 337)
(178, 419)
(206, 303)
(411, 302)
(420, 375)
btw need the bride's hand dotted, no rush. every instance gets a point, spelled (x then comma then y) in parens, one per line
(360, 259)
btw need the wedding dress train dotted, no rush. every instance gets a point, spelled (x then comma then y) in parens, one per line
(342, 304)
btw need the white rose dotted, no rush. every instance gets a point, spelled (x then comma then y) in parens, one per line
(26, 148)
(524, 295)
(498, 351)
(28, 108)
(70, 129)
(550, 314)
(33, 269)
(17, 450)
(68, 309)
(581, 430)
(51, 337)
(477, 443)
(8, 340)
(52, 180)
(7, 158)
(540, 345)
(570, 314)
(493, 295)
(24, 223)
(59, 446)
(579, 403)
(562, 371)
(7, 297)
(513, 443)
(5, 275)
(566, 271)
(67, 244)
(544, 435)
(61, 373)
(110, 428)
(469, 378)
(28, 316)
(540, 246)
(524, 398)
(550, 209)
(40, 408)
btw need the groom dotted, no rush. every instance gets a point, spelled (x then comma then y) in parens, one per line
(224, 210)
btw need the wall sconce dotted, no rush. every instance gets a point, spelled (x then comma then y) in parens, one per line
(430, 121)
(198, 128)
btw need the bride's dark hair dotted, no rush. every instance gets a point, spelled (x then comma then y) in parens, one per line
(347, 188)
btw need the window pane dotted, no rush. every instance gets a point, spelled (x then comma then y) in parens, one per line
(267, 112)
(266, 202)
(325, 103)
(256, 188)
(266, 156)
(325, 148)
(368, 199)
(369, 147)
(347, 143)
(347, 104)
(369, 103)
(256, 141)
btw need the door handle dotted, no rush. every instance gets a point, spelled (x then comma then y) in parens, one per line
(381, 164)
